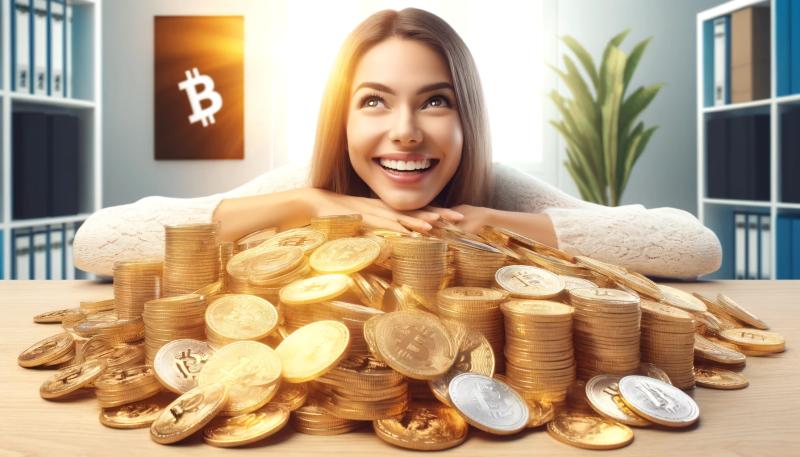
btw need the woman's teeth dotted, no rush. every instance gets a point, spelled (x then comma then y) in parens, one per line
(401, 165)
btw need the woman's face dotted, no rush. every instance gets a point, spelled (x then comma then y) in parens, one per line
(403, 130)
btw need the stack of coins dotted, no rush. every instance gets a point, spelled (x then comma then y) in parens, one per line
(120, 386)
(420, 263)
(116, 355)
(540, 360)
(525, 281)
(335, 227)
(226, 251)
(607, 331)
(298, 300)
(353, 316)
(475, 262)
(172, 318)
(370, 289)
(191, 258)
(236, 317)
(311, 419)
(106, 323)
(135, 282)
(478, 309)
(361, 388)
(254, 239)
(668, 341)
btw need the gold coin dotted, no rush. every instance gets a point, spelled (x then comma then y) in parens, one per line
(312, 350)
(315, 289)
(69, 379)
(588, 431)
(658, 401)
(54, 317)
(475, 355)
(424, 427)
(754, 339)
(246, 428)
(139, 414)
(189, 413)
(525, 281)
(682, 300)
(290, 396)
(729, 306)
(178, 363)
(305, 238)
(540, 412)
(344, 255)
(47, 350)
(711, 351)
(415, 343)
(241, 317)
(602, 391)
(250, 370)
(718, 378)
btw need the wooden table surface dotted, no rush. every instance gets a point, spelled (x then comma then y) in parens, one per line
(760, 420)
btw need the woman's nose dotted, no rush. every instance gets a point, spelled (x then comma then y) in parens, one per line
(404, 131)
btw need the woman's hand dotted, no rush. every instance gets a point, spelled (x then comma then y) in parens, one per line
(475, 217)
(375, 212)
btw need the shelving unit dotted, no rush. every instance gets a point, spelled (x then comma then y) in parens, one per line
(85, 60)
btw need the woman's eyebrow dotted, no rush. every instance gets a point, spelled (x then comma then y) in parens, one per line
(422, 90)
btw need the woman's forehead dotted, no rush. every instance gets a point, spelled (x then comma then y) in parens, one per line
(404, 66)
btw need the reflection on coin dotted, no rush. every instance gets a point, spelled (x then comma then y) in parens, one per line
(525, 281)
(719, 378)
(246, 428)
(69, 379)
(588, 431)
(240, 317)
(139, 414)
(315, 289)
(602, 391)
(424, 427)
(488, 403)
(681, 299)
(312, 350)
(189, 413)
(178, 363)
(344, 255)
(658, 401)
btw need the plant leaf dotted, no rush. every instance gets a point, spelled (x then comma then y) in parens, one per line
(634, 58)
(610, 117)
(613, 43)
(635, 104)
(584, 58)
(637, 151)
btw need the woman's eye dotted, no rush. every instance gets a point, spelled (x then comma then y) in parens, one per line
(371, 102)
(439, 101)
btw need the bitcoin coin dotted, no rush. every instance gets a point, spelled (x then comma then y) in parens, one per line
(488, 404)
(246, 428)
(415, 344)
(69, 379)
(178, 364)
(658, 401)
(139, 414)
(602, 391)
(424, 427)
(588, 431)
(719, 378)
(525, 281)
(312, 350)
(189, 413)
(47, 350)
(344, 255)
(315, 289)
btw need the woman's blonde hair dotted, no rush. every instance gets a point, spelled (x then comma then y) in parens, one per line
(331, 168)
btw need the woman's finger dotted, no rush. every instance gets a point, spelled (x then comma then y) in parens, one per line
(382, 223)
(446, 213)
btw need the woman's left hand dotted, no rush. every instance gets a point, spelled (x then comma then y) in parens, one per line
(475, 217)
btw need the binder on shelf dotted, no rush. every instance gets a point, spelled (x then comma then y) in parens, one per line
(57, 42)
(738, 158)
(750, 54)
(753, 247)
(784, 251)
(766, 247)
(30, 165)
(716, 157)
(740, 241)
(68, 52)
(708, 63)
(783, 42)
(722, 47)
(40, 76)
(62, 150)
(795, 252)
(747, 166)
(21, 21)
(789, 156)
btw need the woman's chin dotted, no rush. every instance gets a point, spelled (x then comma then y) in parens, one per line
(400, 202)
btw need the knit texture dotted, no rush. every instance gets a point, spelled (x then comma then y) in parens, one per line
(663, 242)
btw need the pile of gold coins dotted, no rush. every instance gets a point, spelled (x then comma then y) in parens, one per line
(335, 326)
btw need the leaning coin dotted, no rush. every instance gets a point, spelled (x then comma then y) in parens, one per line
(588, 431)
(246, 428)
(602, 391)
(719, 378)
(189, 413)
(69, 379)
(658, 401)
(488, 403)
(424, 427)
(47, 350)
(54, 317)
(138, 414)
(178, 363)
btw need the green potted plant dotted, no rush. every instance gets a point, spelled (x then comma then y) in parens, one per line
(599, 124)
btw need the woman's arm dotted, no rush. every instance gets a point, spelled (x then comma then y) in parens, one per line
(240, 216)
(536, 226)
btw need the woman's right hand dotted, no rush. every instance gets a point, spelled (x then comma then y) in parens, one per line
(375, 213)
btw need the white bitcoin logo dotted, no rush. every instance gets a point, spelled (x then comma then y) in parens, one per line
(204, 115)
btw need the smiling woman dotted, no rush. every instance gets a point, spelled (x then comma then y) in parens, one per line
(403, 139)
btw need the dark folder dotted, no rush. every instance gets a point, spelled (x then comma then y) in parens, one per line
(30, 165)
(62, 147)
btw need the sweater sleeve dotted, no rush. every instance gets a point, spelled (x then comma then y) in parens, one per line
(135, 230)
(664, 242)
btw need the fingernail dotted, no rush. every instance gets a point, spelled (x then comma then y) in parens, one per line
(427, 226)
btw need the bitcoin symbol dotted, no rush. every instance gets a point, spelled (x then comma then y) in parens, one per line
(204, 115)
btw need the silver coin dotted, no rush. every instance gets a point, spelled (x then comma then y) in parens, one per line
(178, 363)
(658, 401)
(488, 404)
(601, 391)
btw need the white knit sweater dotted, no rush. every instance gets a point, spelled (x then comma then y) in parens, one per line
(664, 242)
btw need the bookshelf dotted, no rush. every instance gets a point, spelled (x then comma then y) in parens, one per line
(718, 213)
(84, 57)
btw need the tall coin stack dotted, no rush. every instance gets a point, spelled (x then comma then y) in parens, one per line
(335, 227)
(606, 331)
(135, 282)
(226, 251)
(361, 388)
(668, 341)
(420, 263)
(476, 262)
(540, 360)
(478, 309)
(172, 318)
(191, 258)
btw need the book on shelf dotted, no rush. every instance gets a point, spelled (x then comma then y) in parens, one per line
(750, 54)
(738, 157)
(722, 48)
(789, 156)
(41, 40)
(752, 244)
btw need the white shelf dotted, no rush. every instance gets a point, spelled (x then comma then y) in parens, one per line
(85, 59)
(738, 106)
(788, 99)
(731, 202)
(793, 206)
